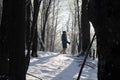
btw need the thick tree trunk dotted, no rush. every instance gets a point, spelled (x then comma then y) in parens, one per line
(4, 63)
(13, 34)
(74, 44)
(104, 15)
(85, 26)
(16, 39)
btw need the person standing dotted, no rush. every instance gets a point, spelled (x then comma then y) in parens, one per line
(64, 42)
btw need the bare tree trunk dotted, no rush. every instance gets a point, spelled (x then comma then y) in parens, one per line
(54, 34)
(79, 26)
(48, 31)
(33, 29)
(28, 22)
(35, 33)
(35, 43)
(74, 31)
(105, 19)
(46, 13)
(85, 26)
(53, 27)
(0, 11)
(4, 56)
(15, 16)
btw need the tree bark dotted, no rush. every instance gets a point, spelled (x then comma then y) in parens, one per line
(33, 30)
(104, 15)
(35, 34)
(4, 63)
(14, 16)
(85, 26)
(28, 22)
(0, 11)
(35, 43)
(79, 25)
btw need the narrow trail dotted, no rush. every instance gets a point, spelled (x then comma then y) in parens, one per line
(55, 66)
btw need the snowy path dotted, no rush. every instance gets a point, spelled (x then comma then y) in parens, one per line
(54, 66)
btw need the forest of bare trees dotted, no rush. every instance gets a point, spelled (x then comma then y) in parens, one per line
(28, 26)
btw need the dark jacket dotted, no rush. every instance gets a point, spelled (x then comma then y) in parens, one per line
(64, 41)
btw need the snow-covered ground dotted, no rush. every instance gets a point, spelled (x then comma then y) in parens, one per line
(55, 66)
